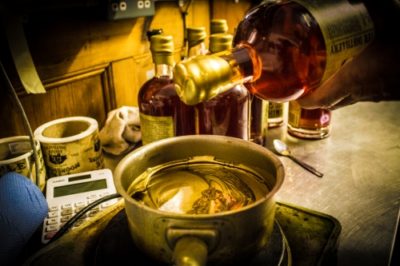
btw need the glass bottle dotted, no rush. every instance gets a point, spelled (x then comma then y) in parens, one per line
(285, 49)
(307, 123)
(149, 34)
(196, 37)
(228, 113)
(258, 119)
(162, 114)
(276, 113)
(218, 26)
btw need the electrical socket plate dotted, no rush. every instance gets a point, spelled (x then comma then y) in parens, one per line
(123, 9)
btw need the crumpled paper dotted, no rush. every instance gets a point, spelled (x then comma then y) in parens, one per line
(121, 130)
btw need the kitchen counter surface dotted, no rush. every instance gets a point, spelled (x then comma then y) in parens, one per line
(361, 182)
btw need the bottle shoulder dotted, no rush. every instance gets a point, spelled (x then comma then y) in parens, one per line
(157, 87)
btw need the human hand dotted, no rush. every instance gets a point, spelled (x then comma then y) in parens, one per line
(373, 75)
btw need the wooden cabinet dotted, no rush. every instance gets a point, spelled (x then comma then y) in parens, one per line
(90, 65)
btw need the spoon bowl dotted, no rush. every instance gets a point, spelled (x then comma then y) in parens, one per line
(282, 149)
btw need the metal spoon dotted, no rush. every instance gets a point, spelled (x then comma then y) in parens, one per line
(283, 149)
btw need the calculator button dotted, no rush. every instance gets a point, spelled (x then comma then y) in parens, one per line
(51, 228)
(65, 218)
(66, 212)
(66, 206)
(52, 214)
(106, 204)
(53, 208)
(52, 221)
(78, 209)
(80, 204)
(93, 196)
(92, 213)
(78, 222)
(91, 201)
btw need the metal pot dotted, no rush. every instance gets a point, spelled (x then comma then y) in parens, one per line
(196, 239)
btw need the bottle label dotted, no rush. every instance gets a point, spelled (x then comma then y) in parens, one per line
(156, 127)
(347, 29)
(275, 110)
(294, 114)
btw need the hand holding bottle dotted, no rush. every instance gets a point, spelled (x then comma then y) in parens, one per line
(372, 75)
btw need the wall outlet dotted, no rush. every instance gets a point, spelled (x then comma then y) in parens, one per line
(123, 9)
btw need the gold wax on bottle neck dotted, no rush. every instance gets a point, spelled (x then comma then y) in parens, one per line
(202, 78)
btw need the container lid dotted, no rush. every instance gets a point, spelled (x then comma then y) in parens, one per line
(218, 26)
(162, 48)
(196, 35)
(220, 42)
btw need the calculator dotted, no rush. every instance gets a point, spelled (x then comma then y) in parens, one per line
(67, 195)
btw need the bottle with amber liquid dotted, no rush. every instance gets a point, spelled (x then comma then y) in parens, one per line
(258, 107)
(228, 113)
(308, 123)
(196, 37)
(284, 49)
(162, 113)
(276, 112)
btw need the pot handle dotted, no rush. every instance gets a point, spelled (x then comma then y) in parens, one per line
(190, 251)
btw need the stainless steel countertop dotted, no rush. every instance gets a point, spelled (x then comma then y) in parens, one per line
(361, 183)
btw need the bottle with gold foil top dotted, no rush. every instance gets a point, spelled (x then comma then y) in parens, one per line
(196, 37)
(162, 114)
(276, 112)
(285, 49)
(308, 123)
(218, 26)
(228, 113)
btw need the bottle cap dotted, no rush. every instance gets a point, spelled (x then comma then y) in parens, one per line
(209, 72)
(162, 48)
(153, 32)
(196, 35)
(220, 42)
(218, 26)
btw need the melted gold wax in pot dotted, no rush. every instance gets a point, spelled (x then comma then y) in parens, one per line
(198, 187)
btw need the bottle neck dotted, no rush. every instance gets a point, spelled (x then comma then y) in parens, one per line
(163, 70)
(201, 78)
(198, 49)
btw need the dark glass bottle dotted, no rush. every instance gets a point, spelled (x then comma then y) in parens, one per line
(162, 114)
(258, 119)
(284, 49)
(228, 113)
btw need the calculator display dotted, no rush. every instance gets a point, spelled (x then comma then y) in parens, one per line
(80, 187)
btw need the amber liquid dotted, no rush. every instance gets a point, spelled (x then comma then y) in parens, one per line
(311, 123)
(226, 114)
(158, 97)
(291, 48)
(203, 187)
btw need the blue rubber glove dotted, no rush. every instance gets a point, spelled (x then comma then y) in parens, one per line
(23, 208)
